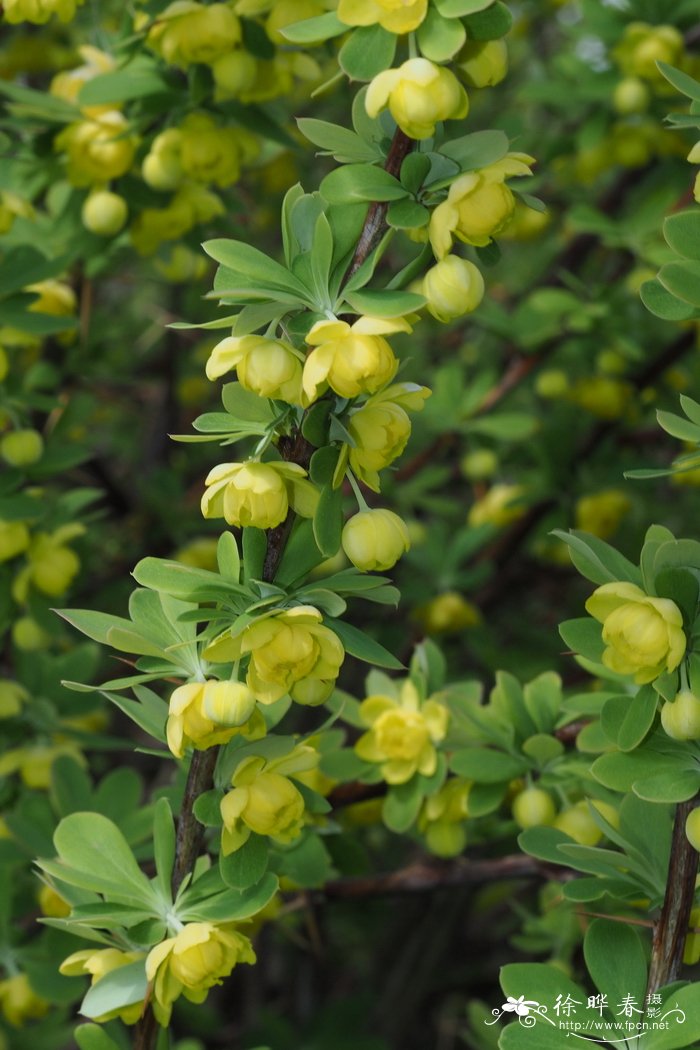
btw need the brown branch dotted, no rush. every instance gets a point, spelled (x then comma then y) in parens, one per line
(502, 552)
(375, 221)
(671, 929)
(427, 876)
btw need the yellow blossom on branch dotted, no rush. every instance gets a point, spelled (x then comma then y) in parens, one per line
(402, 734)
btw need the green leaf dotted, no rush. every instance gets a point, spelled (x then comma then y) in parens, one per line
(328, 521)
(247, 865)
(93, 1037)
(245, 405)
(314, 30)
(308, 863)
(359, 644)
(459, 8)
(385, 304)
(150, 714)
(663, 304)
(682, 233)
(199, 904)
(504, 426)
(639, 718)
(583, 636)
(616, 960)
(228, 557)
(253, 264)
(687, 85)
(402, 804)
(207, 808)
(137, 80)
(254, 551)
(487, 766)
(491, 23)
(90, 843)
(118, 988)
(679, 1033)
(346, 146)
(677, 785)
(407, 215)
(440, 38)
(360, 182)
(71, 788)
(367, 52)
(682, 279)
(476, 150)
(164, 845)
(677, 427)
(179, 580)
(597, 560)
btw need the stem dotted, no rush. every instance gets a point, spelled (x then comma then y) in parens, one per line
(361, 501)
(672, 927)
(296, 449)
(375, 221)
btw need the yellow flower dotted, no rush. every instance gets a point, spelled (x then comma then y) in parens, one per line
(162, 166)
(52, 566)
(287, 12)
(192, 962)
(448, 613)
(14, 539)
(98, 964)
(499, 507)
(52, 904)
(187, 32)
(643, 45)
(11, 207)
(235, 74)
(418, 94)
(34, 763)
(12, 696)
(290, 652)
(97, 150)
(350, 359)
(644, 635)
(69, 83)
(268, 367)
(375, 539)
(442, 818)
(691, 951)
(453, 287)
(264, 801)
(39, 11)
(396, 16)
(479, 205)
(483, 63)
(203, 714)
(602, 512)
(212, 153)
(603, 396)
(19, 1002)
(54, 297)
(258, 494)
(381, 428)
(402, 734)
(191, 204)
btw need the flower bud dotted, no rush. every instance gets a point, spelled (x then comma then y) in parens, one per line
(228, 703)
(104, 213)
(692, 828)
(28, 636)
(453, 287)
(375, 539)
(22, 448)
(480, 464)
(14, 539)
(532, 807)
(418, 94)
(630, 96)
(680, 718)
(576, 822)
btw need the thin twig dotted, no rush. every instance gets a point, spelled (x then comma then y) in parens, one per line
(671, 929)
